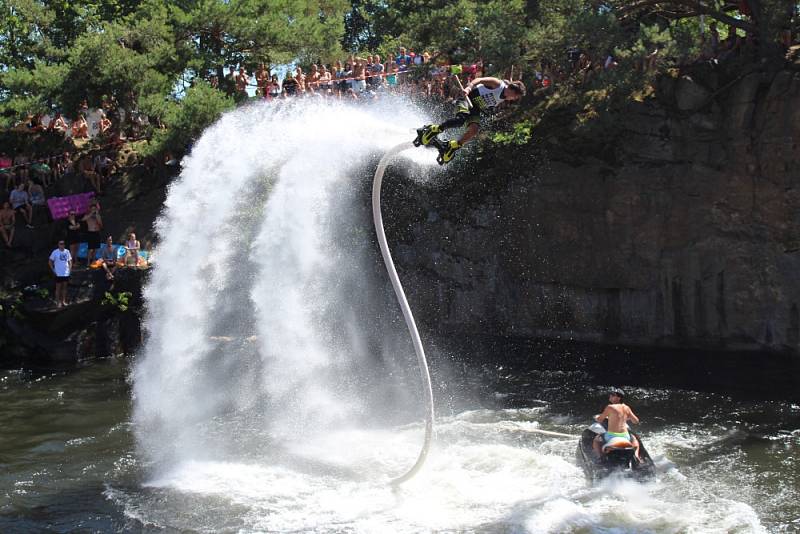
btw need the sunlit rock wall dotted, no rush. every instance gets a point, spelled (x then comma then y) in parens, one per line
(689, 237)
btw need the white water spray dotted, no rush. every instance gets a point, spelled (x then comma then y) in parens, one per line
(257, 342)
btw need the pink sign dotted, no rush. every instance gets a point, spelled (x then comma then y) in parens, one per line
(61, 206)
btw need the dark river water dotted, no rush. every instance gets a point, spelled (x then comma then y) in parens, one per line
(68, 463)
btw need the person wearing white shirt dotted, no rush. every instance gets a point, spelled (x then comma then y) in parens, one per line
(61, 264)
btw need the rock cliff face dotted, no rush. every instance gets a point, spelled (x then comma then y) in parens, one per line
(688, 235)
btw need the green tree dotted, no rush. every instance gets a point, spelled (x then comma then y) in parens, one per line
(186, 119)
(360, 29)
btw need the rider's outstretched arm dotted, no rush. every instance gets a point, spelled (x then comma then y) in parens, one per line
(489, 82)
(603, 416)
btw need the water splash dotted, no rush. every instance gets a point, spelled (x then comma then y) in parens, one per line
(258, 323)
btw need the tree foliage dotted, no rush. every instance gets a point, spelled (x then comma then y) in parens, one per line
(146, 54)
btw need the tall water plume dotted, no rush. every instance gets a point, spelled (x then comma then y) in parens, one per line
(260, 308)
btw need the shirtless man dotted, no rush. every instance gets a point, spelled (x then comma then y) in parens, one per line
(58, 124)
(618, 414)
(262, 80)
(94, 223)
(300, 78)
(80, 128)
(359, 70)
(241, 81)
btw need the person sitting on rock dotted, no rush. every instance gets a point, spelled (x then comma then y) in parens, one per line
(132, 247)
(104, 124)
(58, 124)
(80, 128)
(109, 257)
(20, 202)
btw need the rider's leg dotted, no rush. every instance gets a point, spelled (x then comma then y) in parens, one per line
(597, 445)
(635, 443)
(455, 122)
(472, 131)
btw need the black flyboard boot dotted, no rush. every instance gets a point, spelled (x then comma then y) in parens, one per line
(426, 135)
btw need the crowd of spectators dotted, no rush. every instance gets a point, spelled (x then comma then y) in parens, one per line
(355, 77)
(28, 179)
(25, 182)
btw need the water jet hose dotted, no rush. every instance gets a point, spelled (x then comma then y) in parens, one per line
(401, 298)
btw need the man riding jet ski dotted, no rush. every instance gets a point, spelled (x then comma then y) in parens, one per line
(609, 446)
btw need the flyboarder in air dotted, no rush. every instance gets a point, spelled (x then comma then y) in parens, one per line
(481, 95)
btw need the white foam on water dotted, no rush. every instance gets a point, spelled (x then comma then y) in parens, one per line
(472, 482)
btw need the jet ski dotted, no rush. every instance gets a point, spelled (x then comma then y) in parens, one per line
(619, 457)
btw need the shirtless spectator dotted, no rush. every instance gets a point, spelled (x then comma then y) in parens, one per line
(262, 80)
(618, 415)
(58, 124)
(312, 80)
(8, 220)
(359, 75)
(109, 257)
(73, 233)
(105, 124)
(241, 83)
(20, 203)
(80, 128)
(300, 78)
(325, 84)
(94, 223)
(60, 262)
